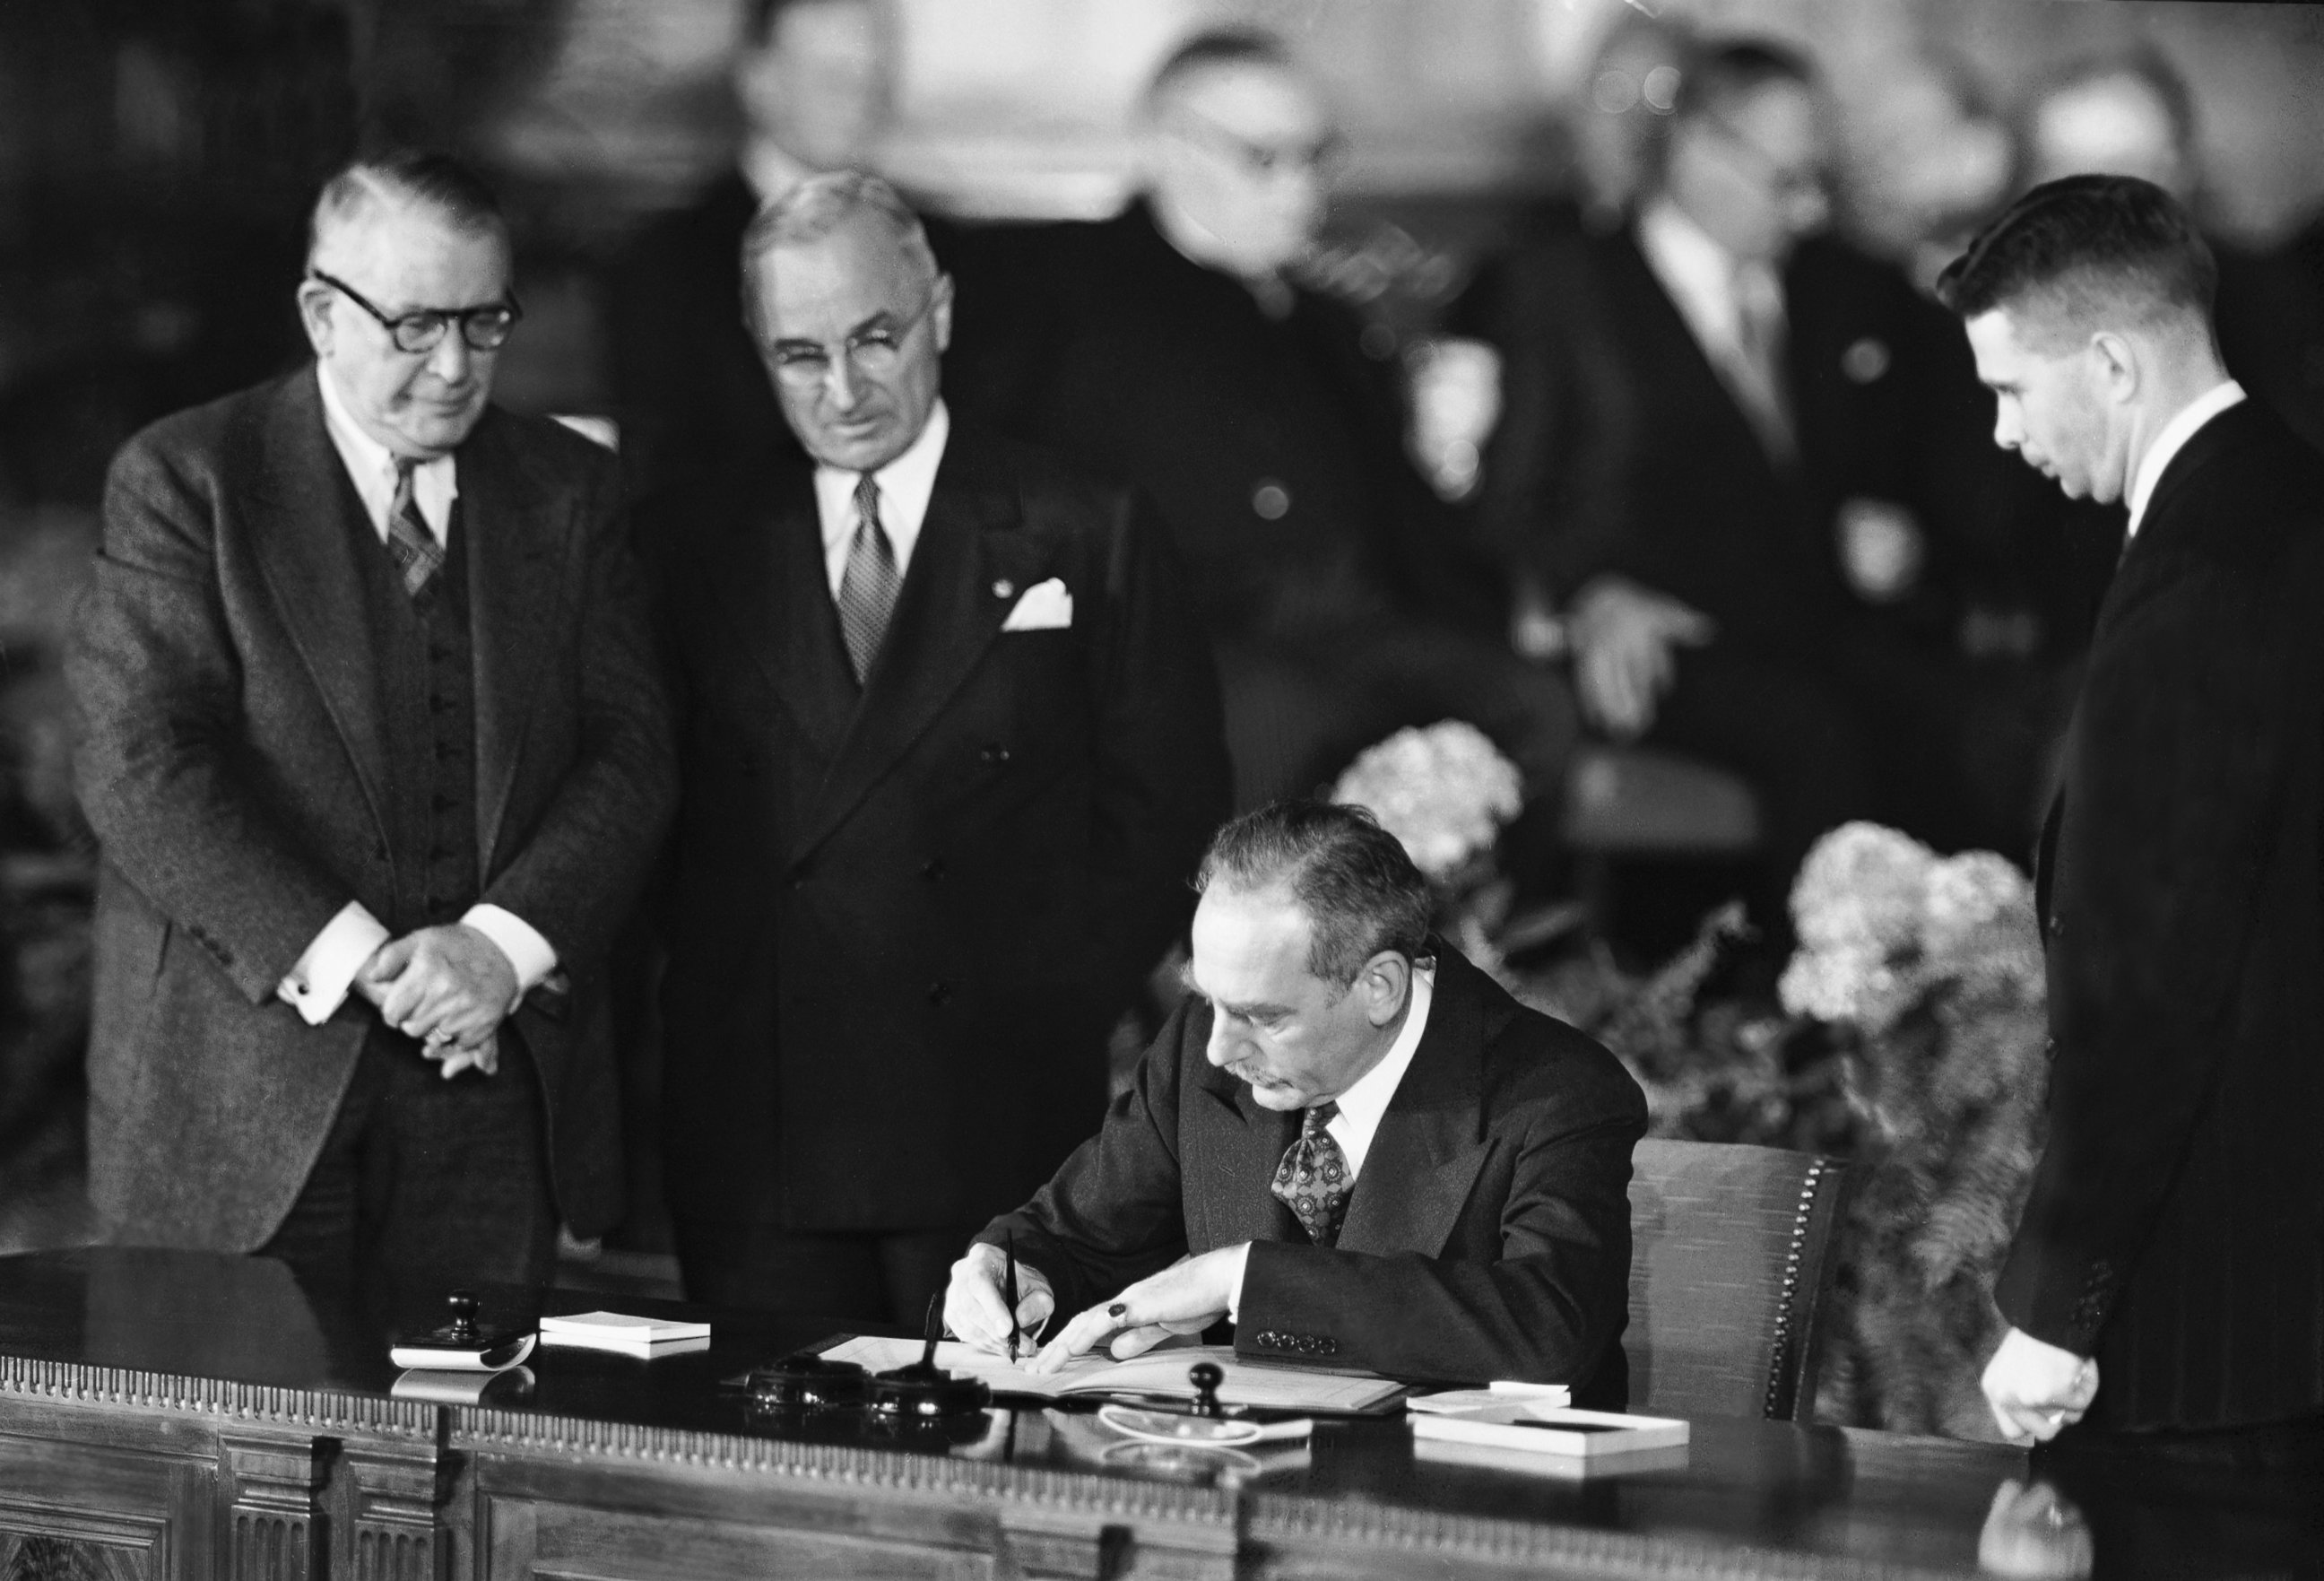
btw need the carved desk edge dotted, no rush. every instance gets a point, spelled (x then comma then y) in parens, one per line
(488, 1430)
(1289, 1523)
(326, 1410)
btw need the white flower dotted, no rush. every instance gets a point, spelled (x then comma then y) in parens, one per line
(1861, 887)
(1444, 792)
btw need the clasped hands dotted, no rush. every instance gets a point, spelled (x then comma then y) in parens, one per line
(1186, 1297)
(449, 988)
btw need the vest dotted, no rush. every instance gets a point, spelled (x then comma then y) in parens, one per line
(426, 663)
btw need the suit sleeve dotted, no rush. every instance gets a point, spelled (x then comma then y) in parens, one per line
(1545, 1311)
(157, 686)
(587, 859)
(2174, 790)
(1162, 777)
(1552, 505)
(1114, 1212)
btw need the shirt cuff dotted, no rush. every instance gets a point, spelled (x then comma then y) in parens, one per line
(1234, 1287)
(519, 941)
(317, 985)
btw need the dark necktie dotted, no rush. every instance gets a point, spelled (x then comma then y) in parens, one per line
(1313, 1179)
(410, 544)
(867, 587)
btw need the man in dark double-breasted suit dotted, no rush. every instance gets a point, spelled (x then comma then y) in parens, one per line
(951, 747)
(2167, 1277)
(379, 759)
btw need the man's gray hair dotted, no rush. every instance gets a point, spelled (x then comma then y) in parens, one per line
(819, 206)
(1360, 889)
(410, 176)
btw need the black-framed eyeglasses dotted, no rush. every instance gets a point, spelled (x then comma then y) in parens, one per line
(873, 351)
(485, 329)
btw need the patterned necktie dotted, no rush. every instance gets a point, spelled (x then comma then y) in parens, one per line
(1313, 1179)
(410, 544)
(867, 587)
(1757, 369)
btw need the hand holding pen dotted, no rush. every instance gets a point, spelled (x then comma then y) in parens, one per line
(978, 1305)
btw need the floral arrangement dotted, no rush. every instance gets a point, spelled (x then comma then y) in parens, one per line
(1930, 970)
(1444, 791)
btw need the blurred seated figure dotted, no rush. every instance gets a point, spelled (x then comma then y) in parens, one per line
(1737, 467)
(2132, 115)
(1175, 347)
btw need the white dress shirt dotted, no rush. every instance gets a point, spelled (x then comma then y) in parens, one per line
(904, 486)
(1709, 284)
(1364, 1101)
(2174, 439)
(318, 983)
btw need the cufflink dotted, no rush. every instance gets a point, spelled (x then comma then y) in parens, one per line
(1003, 588)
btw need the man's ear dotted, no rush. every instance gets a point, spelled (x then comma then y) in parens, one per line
(2117, 363)
(1387, 983)
(315, 314)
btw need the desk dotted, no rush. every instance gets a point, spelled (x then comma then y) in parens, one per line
(184, 1415)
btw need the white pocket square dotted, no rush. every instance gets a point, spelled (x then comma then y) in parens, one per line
(1046, 607)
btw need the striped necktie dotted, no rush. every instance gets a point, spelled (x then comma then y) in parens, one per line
(410, 544)
(868, 586)
(1312, 1181)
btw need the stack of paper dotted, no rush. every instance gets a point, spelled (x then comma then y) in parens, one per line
(633, 1337)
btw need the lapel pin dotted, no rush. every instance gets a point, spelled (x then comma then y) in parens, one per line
(1003, 587)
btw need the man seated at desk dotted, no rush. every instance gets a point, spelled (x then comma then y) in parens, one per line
(1348, 1141)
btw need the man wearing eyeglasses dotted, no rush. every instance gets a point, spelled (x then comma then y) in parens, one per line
(951, 751)
(1731, 448)
(378, 757)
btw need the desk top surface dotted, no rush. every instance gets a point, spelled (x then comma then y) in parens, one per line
(1798, 1494)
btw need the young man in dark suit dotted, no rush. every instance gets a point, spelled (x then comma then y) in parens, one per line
(2167, 1278)
(951, 747)
(379, 759)
(1349, 1140)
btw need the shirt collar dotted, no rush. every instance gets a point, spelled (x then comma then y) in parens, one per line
(1364, 1101)
(905, 486)
(370, 468)
(2174, 439)
(1698, 273)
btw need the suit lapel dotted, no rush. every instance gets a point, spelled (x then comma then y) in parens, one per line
(1232, 1147)
(969, 565)
(520, 538)
(303, 526)
(1431, 1140)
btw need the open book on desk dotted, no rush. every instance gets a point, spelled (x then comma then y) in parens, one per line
(1157, 1373)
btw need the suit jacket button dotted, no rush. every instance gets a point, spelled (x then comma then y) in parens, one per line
(994, 753)
(1329, 1347)
(1270, 501)
(939, 991)
(932, 869)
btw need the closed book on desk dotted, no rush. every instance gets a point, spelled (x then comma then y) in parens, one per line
(1538, 1430)
(634, 1336)
(482, 1352)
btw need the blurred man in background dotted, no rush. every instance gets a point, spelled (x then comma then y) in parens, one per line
(1176, 346)
(812, 83)
(1735, 458)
